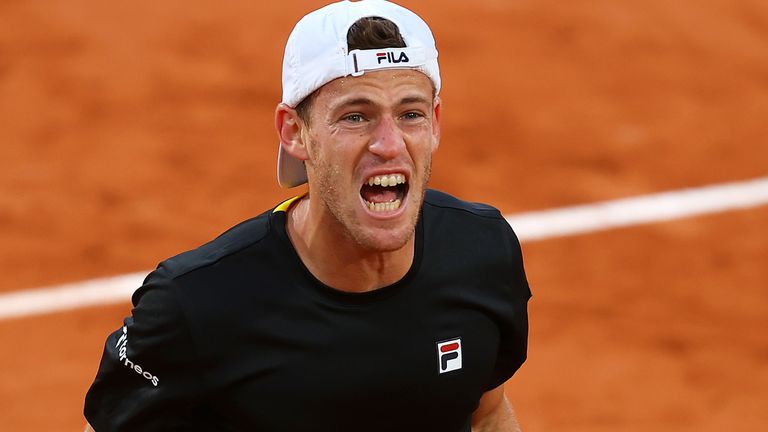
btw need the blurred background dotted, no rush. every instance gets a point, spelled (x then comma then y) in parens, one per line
(131, 131)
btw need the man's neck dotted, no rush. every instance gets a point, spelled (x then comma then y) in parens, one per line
(336, 259)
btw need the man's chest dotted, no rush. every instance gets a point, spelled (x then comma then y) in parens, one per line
(360, 368)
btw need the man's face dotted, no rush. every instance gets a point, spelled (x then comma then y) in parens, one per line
(370, 141)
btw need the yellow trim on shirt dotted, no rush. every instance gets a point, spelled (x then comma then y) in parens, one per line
(285, 205)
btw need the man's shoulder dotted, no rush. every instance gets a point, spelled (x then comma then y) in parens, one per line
(470, 242)
(244, 236)
(442, 201)
(450, 219)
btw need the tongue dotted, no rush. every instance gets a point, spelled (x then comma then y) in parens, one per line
(378, 194)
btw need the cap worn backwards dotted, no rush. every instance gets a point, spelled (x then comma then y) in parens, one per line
(316, 53)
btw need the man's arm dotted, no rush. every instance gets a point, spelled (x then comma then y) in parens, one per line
(494, 414)
(88, 428)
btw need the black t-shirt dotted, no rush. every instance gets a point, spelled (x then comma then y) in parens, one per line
(238, 335)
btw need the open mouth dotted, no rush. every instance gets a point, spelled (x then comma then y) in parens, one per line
(384, 193)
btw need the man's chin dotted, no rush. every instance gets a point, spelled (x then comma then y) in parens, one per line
(384, 240)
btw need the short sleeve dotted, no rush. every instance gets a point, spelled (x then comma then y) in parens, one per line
(147, 379)
(512, 316)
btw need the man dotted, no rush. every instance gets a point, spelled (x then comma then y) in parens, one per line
(369, 303)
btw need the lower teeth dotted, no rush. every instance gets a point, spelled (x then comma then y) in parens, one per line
(380, 207)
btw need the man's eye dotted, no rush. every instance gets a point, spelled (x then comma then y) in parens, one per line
(356, 118)
(412, 115)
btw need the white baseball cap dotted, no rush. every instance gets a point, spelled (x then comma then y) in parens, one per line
(316, 53)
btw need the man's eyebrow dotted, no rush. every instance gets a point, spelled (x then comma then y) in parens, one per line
(364, 101)
(354, 102)
(414, 99)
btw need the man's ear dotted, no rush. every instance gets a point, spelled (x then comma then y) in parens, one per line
(437, 106)
(289, 129)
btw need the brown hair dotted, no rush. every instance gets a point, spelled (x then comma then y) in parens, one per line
(365, 33)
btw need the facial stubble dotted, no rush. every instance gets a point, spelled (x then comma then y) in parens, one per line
(325, 177)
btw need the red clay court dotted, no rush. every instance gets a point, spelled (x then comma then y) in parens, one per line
(132, 131)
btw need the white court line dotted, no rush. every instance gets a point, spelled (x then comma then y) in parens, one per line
(531, 226)
(76, 295)
(659, 207)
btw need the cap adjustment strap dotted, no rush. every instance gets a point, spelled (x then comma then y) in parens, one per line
(359, 61)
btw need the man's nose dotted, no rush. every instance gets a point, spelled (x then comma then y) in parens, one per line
(387, 141)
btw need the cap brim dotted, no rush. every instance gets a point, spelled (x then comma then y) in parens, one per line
(290, 171)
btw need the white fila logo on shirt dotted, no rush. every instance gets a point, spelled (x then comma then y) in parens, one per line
(449, 355)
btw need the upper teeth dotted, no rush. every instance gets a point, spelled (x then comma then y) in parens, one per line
(386, 180)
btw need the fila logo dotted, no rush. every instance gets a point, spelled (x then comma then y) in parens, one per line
(449, 355)
(389, 57)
